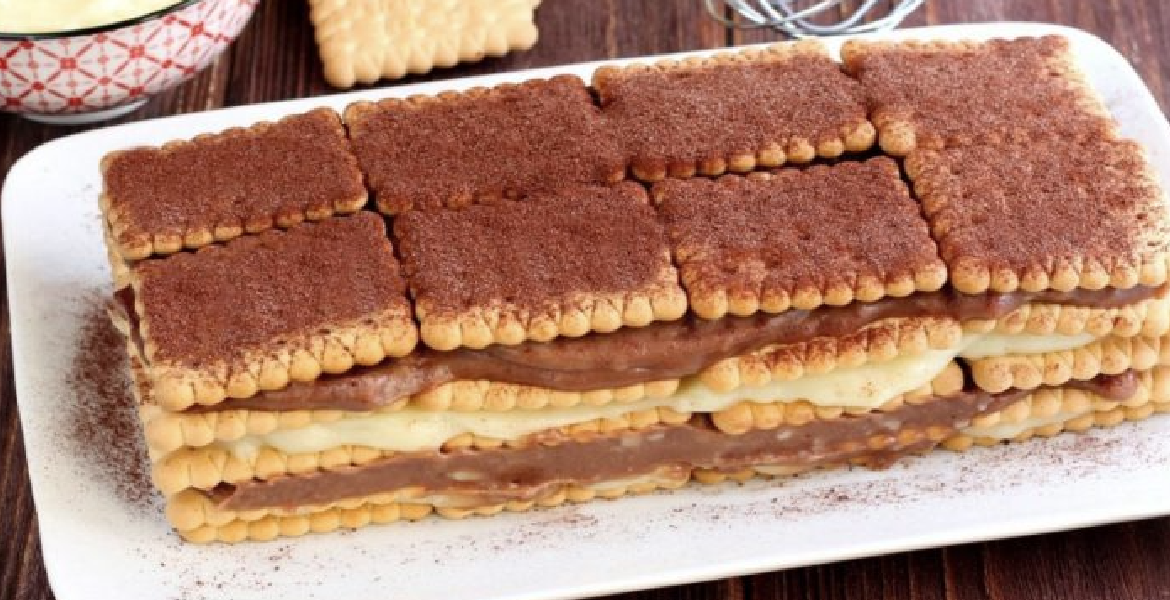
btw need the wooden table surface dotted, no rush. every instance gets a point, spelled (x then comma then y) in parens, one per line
(275, 59)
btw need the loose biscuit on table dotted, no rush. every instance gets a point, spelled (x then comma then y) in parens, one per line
(584, 259)
(1057, 214)
(362, 41)
(197, 518)
(1054, 410)
(264, 310)
(215, 187)
(483, 144)
(1107, 356)
(1148, 318)
(935, 94)
(828, 235)
(734, 111)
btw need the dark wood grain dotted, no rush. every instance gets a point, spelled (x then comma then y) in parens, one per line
(275, 59)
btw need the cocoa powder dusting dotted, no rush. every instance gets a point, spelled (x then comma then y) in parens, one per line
(1065, 199)
(300, 163)
(510, 140)
(103, 416)
(530, 253)
(222, 301)
(957, 93)
(797, 230)
(712, 112)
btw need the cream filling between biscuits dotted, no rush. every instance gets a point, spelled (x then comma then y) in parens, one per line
(1007, 431)
(866, 387)
(991, 344)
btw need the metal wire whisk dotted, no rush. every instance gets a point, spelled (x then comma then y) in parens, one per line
(788, 17)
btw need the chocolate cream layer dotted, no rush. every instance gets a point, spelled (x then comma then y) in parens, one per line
(493, 476)
(628, 356)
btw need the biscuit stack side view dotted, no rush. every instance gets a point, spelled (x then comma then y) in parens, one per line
(522, 326)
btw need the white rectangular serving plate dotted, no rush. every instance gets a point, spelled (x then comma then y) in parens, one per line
(97, 546)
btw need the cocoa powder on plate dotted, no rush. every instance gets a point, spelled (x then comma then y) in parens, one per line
(102, 413)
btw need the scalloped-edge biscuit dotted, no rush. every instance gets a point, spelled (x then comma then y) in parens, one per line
(828, 235)
(206, 467)
(168, 430)
(320, 298)
(747, 416)
(197, 519)
(362, 41)
(484, 395)
(1108, 356)
(1055, 214)
(1149, 318)
(209, 465)
(1052, 411)
(878, 342)
(482, 145)
(734, 111)
(119, 266)
(934, 94)
(585, 259)
(187, 194)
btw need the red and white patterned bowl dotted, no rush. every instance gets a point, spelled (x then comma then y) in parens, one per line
(104, 72)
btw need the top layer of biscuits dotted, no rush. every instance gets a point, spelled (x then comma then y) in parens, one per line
(553, 248)
(585, 259)
(798, 239)
(781, 104)
(188, 194)
(264, 310)
(458, 148)
(937, 94)
(1056, 214)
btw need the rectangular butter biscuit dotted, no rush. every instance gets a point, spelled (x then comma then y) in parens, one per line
(936, 94)
(227, 321)
(876, 343)
(761, 414)
(1059, 214)
(829, 235)
(362, 41)
(585, 259)
(459, 148)
(1148, 318)
(215, 187)
(1106, 356)
(734, 111)
(1052, 411)
(216, 463)
(198, 519)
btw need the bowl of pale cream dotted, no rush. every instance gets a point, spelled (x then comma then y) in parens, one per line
(81, 61)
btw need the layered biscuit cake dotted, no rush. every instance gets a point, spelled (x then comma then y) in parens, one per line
(757, 264)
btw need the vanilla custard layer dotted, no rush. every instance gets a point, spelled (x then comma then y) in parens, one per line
(47, 16)
(1007, 431)
(865, 387)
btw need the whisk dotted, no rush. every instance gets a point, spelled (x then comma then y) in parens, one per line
(793, 19)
